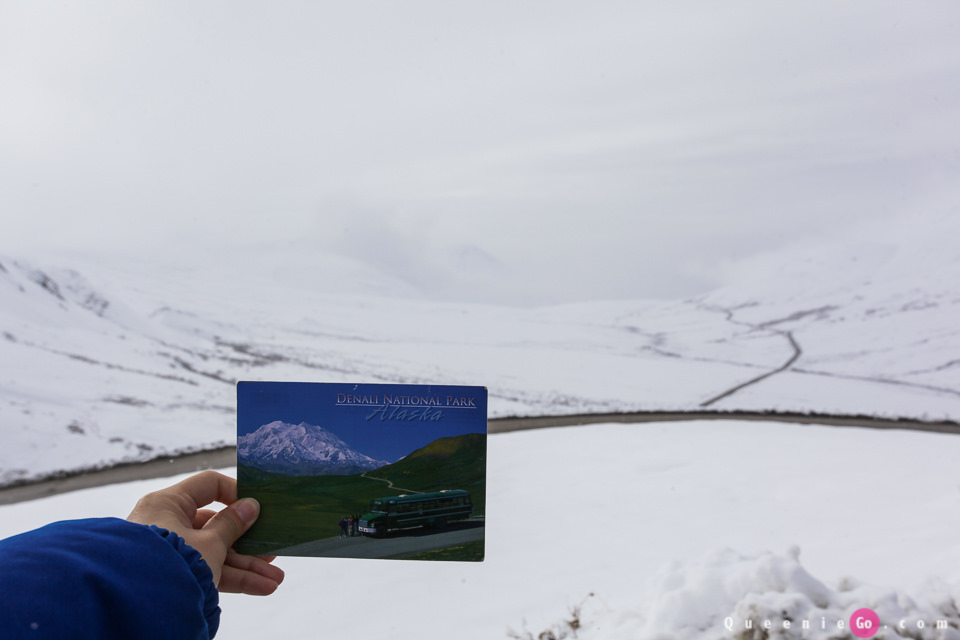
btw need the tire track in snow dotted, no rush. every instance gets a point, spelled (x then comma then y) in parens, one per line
(797, 352)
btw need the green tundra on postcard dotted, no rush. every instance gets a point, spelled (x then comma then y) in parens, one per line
(363, 470)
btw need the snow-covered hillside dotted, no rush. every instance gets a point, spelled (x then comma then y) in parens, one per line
(111, 360)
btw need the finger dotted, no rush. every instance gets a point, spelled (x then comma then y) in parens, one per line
(233, 580)
(249, 575)
(256, 564)
(228, 525)
(206, 487)
(176, 507)
(203, 516)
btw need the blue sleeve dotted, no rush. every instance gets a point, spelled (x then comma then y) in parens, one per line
(105, 578)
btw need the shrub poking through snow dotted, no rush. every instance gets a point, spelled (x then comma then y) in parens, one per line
(559, 631)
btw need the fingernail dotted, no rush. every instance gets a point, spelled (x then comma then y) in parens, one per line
(247, 509)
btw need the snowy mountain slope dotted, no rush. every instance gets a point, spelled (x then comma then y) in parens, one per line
(117, 359)
(81, 389)
(874, 320)
(301, 450)
(88, 380)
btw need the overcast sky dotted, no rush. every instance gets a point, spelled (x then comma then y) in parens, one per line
(506, 151)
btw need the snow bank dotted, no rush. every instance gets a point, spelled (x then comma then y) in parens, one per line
(730, 595)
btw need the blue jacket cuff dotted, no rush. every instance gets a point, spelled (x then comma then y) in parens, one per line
(201, 571)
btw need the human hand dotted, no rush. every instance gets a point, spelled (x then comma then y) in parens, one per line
(179, 509)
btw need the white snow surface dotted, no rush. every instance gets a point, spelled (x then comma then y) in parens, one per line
(672, 527)
(109, 359)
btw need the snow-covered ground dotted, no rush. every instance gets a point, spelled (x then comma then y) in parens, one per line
(675, 529)
(109, 359)
(464, 158)
(678, 530)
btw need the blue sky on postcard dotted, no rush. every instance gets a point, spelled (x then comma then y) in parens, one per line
(384, 421)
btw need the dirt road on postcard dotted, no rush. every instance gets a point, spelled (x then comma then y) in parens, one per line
(394, 545)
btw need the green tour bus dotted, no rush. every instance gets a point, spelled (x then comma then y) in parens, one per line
(418, 510)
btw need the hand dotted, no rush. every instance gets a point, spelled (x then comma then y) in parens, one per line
(178, 509)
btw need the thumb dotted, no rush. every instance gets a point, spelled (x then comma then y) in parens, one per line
(234, 520)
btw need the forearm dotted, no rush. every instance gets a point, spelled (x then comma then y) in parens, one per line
(104, 578)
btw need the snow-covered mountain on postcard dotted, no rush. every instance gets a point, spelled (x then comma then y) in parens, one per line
(301, 450)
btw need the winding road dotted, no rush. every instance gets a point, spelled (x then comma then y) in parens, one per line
(389, 484)
(227, 456)
(729, 392)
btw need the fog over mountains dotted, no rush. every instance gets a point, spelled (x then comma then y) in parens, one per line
(301, 450)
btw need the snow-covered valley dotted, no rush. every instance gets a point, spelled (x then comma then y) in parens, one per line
(721, 215)
(110, 360)
(687, 530)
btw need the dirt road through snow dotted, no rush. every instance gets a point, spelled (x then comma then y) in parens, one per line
(227, 456)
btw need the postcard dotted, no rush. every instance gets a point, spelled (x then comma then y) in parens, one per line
(363, 470)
